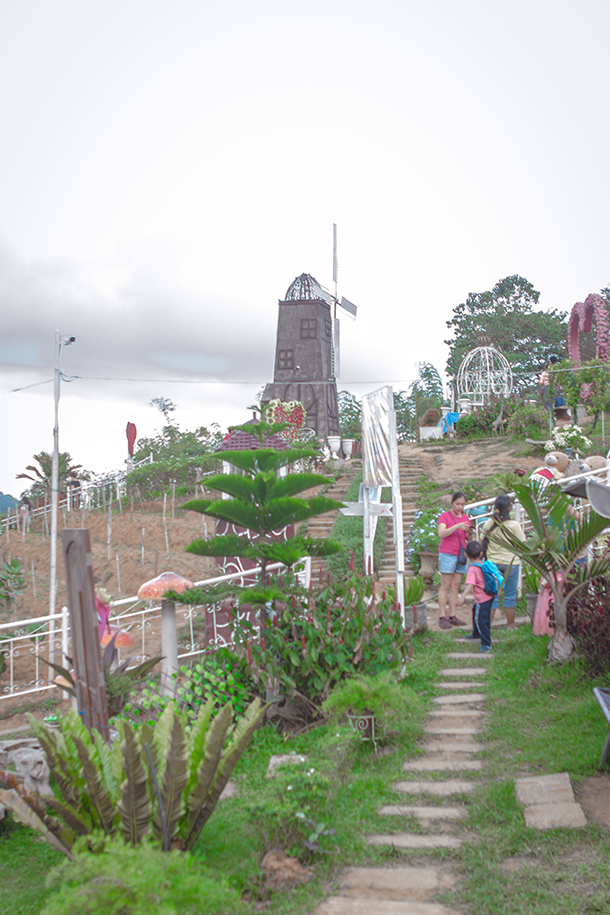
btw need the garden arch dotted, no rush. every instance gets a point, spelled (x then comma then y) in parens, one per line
(581, 319)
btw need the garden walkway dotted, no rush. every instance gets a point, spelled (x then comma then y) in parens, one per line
(436, 789)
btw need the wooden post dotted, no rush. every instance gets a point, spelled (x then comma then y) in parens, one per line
(88, 673)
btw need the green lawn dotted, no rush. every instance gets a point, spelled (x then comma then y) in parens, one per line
(541, 719)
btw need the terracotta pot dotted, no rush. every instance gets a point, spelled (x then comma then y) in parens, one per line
(429, 562)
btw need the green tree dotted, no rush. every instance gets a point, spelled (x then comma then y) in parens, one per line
(41, 472)
(262, 501)
(554, 548)
(504, 318)
(350, 415)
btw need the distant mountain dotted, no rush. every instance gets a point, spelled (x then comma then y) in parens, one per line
(7, 502)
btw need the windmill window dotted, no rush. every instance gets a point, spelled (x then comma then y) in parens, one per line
(309, 328)
(285, 359)
(329, 328)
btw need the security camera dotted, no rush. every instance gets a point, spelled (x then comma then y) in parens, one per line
(66, 341)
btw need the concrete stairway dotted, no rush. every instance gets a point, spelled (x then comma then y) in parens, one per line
(410, 471)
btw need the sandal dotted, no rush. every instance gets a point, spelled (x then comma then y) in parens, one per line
(456, 622)
(444, 622)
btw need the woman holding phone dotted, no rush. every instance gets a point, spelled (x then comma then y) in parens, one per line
(453, 530)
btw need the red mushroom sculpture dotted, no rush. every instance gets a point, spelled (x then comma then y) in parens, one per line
(153, 590)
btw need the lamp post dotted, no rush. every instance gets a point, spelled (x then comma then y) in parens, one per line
(60, 340)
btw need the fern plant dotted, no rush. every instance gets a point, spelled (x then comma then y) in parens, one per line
(158, 782)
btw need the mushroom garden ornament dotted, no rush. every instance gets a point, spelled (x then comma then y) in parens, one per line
(153, 590)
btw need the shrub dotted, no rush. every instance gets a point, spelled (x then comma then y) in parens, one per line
(308, 643)
(529, 421)
(122, 880)
(479, 422)
(588, 617)
(569, 439)
(431, 417)
(381, 695)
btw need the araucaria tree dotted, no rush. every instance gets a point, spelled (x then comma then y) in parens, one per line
(504, 317)
(263, 502)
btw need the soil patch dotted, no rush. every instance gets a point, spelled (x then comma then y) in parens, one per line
(594, 796)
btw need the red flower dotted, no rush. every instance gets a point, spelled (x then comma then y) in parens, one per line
(389, 630)
(263, 645)
(340, 641)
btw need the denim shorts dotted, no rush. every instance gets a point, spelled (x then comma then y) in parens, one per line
(448, 564)
(510, 587)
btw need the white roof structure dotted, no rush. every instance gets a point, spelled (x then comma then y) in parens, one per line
(484, 374)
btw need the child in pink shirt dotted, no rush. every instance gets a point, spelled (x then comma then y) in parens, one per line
(475, 584)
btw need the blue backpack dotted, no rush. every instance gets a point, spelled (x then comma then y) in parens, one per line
(492, 575)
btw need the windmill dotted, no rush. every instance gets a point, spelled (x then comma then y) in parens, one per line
(307, 350)
(334, 302)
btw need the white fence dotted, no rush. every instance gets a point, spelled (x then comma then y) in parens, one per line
(26, 645)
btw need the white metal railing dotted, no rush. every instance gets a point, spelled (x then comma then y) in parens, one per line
(26, 645)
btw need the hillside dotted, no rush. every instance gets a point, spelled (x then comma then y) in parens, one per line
(139, 541)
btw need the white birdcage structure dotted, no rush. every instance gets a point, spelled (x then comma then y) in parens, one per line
(484, 375)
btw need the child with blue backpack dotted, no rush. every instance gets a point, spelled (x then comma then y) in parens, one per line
(483, 580)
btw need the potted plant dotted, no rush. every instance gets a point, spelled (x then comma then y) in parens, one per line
(531, 577)
(372, 705)
(415, 608)
(423, 543)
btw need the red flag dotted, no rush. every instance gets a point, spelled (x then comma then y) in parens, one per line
(131, 437)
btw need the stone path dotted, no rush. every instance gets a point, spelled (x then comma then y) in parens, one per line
(436, 790)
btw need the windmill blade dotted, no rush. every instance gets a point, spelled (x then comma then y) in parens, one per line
(323, 294)
(349, 306)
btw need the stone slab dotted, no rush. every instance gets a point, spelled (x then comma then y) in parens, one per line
(438, 745)
(415, 840)
(451, 731)
(555, 816)
(460, 684)
(437, 789)
(283, 759)
(545, 789)
(342, 905)
(458, 700)
(463, 671)
(438, 764)
(453, 714)
(472, 655)
(423, 813)
(395, 883)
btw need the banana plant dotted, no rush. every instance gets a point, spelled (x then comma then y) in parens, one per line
(158, 781)
(555, 549)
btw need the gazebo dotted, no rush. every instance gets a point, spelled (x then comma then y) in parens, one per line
(484, 374)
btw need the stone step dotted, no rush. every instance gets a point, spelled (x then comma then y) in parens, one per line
(395, 884)
(462, 655)
(464, 684)
(437, 789)
(340, 905)
(423, 813)
(452, 714)
(463, 671)
(457, 700)
(415, 840)
(438, 764)
(440, 744)
(451, 731)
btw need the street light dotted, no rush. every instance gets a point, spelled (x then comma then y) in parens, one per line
(60, 340)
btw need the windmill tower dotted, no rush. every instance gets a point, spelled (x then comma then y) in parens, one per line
(307, 350)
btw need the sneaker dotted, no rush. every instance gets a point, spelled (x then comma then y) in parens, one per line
(476, 638)
(485, 648)
(444, 622)
(456, 622)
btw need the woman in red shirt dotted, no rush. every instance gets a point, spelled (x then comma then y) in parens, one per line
(453, 530)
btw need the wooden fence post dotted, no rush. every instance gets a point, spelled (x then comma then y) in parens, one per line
(88, 673)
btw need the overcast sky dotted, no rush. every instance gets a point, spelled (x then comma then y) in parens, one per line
(168, 168)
